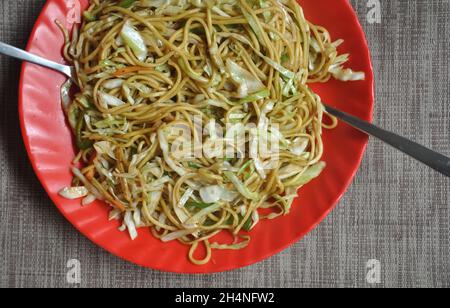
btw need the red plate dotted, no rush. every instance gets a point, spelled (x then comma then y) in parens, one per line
(48, 141)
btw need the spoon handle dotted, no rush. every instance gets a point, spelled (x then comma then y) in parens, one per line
(20, 54)
(429, 157)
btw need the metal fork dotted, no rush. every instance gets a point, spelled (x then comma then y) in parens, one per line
(429, 157)
(20, 54)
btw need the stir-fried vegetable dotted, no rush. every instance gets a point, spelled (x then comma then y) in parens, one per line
(210, 194)
(74, 192)
(246, 82)
(127, 3)
(198, 205)
(255, 97)
(244, 190)
(82, 142)
(89, 16)
(284, 71)
(310, 174)
(192, 115)
(255, 25)
(109, 100)
(134, 40)
(248, 224)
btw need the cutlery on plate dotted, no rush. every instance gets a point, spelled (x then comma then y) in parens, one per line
(425, 155)
(20, 54)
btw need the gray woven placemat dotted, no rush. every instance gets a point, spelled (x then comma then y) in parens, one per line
(396, 211)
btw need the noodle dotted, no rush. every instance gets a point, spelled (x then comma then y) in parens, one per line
(176, 99)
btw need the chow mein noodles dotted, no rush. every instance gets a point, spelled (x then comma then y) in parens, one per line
(192, 116)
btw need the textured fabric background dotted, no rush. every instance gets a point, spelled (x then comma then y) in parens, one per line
(396, 211)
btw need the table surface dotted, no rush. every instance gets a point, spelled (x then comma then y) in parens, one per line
(396, 211)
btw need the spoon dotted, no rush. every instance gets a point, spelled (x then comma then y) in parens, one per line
(425, 155)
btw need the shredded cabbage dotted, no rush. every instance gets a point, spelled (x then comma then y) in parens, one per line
(194, 220)
(246, 82)
(165, 149)
(105, 147)
(113, 84)
(134, 40)
(189, 192)
(284, 71)
(255, 26)
(215, 193)
(255, 97)
(243, 190)
(109, 100)
(115, 214)
(177, 234)
(347, 74)
(210, 194)
(88, 200)
(73, 192)
(344, 74)
(130, 225)
(310, 174)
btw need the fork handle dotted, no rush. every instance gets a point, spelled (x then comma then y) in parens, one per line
(425, 155)
(20, 54)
